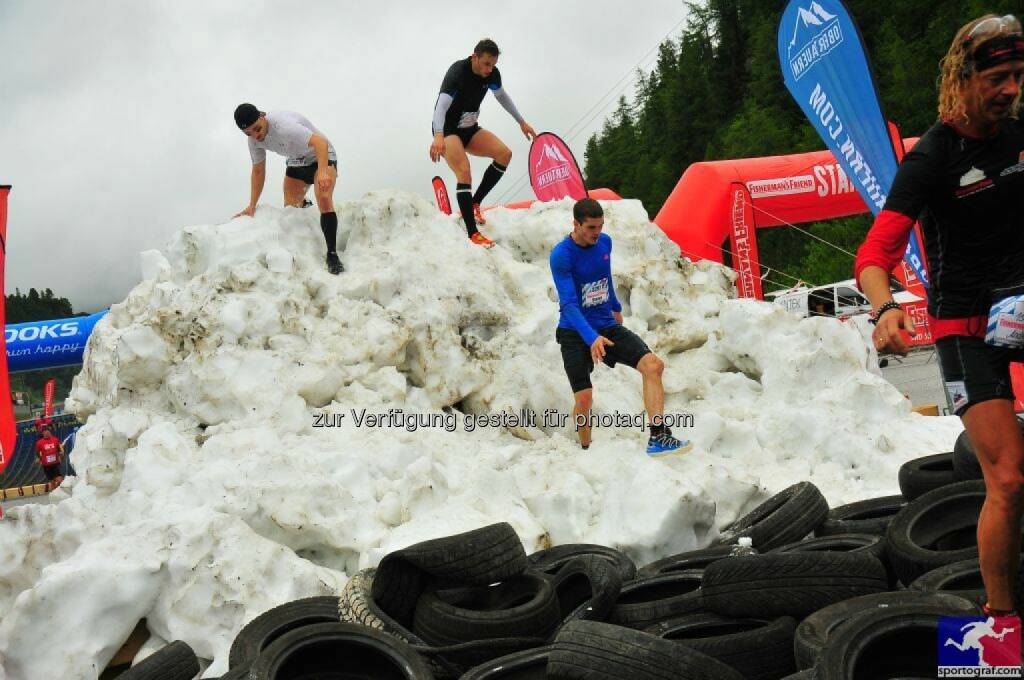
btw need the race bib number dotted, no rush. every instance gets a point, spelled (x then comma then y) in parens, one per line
(1006, 323)
(468, 119)
(50, 459)
(595, 293)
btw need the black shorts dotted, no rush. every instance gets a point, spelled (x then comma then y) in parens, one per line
(628, 349)
(307, 173)
(465, 134)
(975, 371)
(52, 472)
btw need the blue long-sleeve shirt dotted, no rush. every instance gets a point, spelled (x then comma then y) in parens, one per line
(586, 294)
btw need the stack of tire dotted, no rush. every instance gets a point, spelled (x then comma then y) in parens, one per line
(852, 592)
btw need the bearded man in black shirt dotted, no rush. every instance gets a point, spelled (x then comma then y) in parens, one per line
(964, 180)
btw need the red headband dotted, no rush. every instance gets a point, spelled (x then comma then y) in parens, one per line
(997, 50)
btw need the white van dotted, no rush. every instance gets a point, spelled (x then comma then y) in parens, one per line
(842, 299)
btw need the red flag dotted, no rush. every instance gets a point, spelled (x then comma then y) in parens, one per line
(48, 390)
(441, 194)
(554, 172)
(7, 427)
(744, 245)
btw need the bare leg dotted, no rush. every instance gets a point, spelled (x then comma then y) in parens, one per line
(651, 368)
(487, 145)
(294, 191)
(455, 156)
(996, 436)
(581, 413)
(325, 199)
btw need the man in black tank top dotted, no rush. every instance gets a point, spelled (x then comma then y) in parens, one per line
(965, 181)
(457, 133)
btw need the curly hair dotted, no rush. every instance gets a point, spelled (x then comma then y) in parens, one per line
(956, 70)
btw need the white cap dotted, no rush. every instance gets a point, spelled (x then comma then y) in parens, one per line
(746, 542)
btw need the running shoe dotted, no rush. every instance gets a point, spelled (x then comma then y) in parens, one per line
(478, 214)
(334, 265)
(662, 444)
(306, 203)
(481, 240)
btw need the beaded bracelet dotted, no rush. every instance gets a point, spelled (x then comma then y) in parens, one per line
(885, 307)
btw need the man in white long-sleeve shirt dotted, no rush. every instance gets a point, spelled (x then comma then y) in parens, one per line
(311, 160)
(456, 131)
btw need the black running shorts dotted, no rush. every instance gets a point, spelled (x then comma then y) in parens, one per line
(975, 371)
(465, 134)
(628, 349)
(52, 471)
(307, 173)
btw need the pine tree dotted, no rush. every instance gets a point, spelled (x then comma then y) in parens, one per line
(716, 92)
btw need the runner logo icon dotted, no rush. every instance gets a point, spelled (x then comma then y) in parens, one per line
(972, 176)
(979, 647)
(973, 181)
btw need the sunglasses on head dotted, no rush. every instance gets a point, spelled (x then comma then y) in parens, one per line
(1008, 25)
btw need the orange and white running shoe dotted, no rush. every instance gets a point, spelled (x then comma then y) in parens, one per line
(478, 214)
(481, 240)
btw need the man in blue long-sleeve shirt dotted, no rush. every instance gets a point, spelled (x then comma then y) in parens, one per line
(590, 326)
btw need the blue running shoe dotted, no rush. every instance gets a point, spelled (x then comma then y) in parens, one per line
(662, 444)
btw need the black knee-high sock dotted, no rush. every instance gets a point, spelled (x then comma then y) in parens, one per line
(329, 225)
(464, 196)
(494, 172)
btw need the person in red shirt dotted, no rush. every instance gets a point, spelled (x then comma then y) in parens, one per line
(964, 180)
(50, 453)
(43, 422)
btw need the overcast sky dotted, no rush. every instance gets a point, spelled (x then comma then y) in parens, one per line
(115, 116)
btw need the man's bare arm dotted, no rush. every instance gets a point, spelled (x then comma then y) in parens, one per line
(258, 178)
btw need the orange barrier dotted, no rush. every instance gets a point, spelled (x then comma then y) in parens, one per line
(596, 194)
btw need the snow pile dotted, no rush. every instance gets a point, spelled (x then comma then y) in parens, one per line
(243, 445)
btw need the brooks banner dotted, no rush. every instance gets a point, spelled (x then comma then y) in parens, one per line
(554, 173)
(826, 70)
(48, 344)
(7, 427)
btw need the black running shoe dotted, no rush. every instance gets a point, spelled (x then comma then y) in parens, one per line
(334, 265)
(306, 203)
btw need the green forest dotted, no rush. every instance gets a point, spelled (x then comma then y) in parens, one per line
(39, 306)
(716, 92)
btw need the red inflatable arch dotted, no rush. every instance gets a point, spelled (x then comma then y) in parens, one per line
(718, 206)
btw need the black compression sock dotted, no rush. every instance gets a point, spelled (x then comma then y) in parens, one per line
(329, 225)
(464, 196)
(658, 429)
(494, 172)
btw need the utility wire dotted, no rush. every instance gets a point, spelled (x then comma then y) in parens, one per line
(803, 231)
(695, 257)
(597, 109)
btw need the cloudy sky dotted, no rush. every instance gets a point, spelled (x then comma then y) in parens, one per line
(115, 115)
